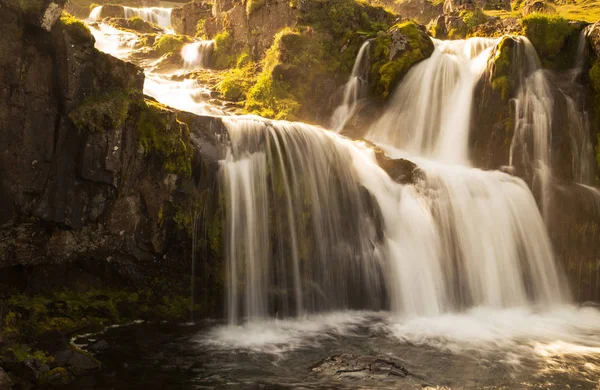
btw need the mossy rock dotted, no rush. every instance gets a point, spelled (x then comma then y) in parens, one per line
(554, 38)
(394, 53)
(254, 5)
(224, 53)
(164, 137)
(169, 43)
(135, 24)
(502, 79)
(75, 28)
(99, 113)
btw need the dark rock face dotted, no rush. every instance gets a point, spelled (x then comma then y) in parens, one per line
(90, 196)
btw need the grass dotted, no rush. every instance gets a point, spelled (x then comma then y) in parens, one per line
(586, 10)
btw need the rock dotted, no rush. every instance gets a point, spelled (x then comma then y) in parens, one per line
(56, 377)
(136, 24)
(99, 346)
(593, 37)
(185, 19)
(400, 170)
(372, 371)
(112, 11)
(537, 6)
(423, 11)
(5, 381)
(28, 370)
(77, 361)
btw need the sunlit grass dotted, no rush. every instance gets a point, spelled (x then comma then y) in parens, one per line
(586, 10)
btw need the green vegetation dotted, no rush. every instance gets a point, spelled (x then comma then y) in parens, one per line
(201, 29)
(224, 54)
(134, 24)
(161, 134)
(585, 10)
(170, 43)
(98, 113)
(547, 33)
(75, 28)
(501, 72)
(236, 81)
(270, 96)
(473, 18)
(253, 5)
(388, 68)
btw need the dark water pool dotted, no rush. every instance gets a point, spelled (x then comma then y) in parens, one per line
(517, 348)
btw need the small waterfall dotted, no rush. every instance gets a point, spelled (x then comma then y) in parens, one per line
(434, 102)
(156, 15)
(197, 54)
(355, 89)
(95, 14)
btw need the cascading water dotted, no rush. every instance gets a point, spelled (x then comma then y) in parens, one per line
(156, 15)
(433, 103)
(95, 14)
(300, 234)
(197, 54)
(355, 89)
(533, 123)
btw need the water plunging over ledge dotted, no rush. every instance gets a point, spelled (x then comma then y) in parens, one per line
(326, 253)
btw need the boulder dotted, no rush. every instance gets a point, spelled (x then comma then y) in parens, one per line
(78, 362)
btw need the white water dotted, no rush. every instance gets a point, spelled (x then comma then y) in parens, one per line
(433, 103)
(156, 15)
(196, 54)
(95, 14)
(355, 89)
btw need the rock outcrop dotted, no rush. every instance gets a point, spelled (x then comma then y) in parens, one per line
(90, 172)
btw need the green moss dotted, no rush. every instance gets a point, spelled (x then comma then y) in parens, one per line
(388, 68)
(169, 43)
(75, 28)
(253, 5)
(98, 113)
(224, 54)
(58, 376)
(160, 134)
(502, 68)
(553, 37)
(134, 24)
(201, 29)
(473, 18)
(69, 311)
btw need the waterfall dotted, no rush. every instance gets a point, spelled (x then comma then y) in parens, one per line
(433, 102)
(197, 54)
(301, 236)
(156, 15)
(354, 90)
(95, 14)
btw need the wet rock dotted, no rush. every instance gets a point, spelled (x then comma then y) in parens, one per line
(78, 362)
(400, 170)
(366, 368)
(135, 24)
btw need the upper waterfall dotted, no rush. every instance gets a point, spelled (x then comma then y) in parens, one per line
(430, 112)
